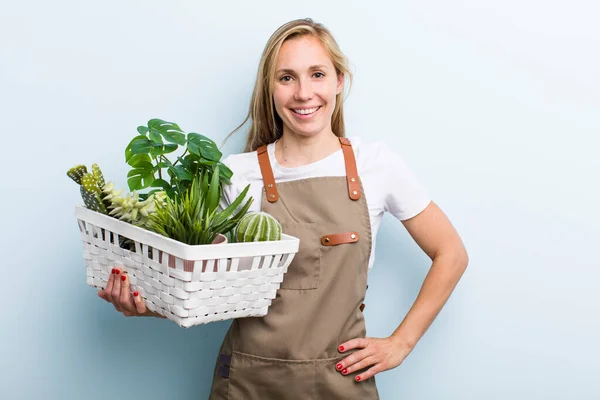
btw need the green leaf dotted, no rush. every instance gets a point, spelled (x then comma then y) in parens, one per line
(161, 183)
(224, 215)
(171, 193)
(158, 150)
(168, 130)
(139, 178)
(141, 145)
(136, 159)
(128, 152)
(145, 165)
(232, 222)
(204, 183)
(155, 137)
(192, 158)
(165, 163)
(214, 192)
(203, 146)
(194, 149)
(142, 130)
(180, 173)
(225, 173)
(206, 162)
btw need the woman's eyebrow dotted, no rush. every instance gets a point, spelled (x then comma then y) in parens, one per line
(311, 68)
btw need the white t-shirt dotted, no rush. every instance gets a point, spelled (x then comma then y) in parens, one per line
(389, 185)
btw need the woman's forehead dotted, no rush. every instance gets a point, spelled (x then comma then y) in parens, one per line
(303, 53)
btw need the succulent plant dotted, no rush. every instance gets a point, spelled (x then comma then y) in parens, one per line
(194, 218)
(129, 208)
(258, 227)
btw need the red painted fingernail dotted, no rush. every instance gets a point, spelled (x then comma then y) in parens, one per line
(135, 294)
(113, 271)
(123, 277)
(357, 378)
(117, 271)
(345, 371)
(341, 348)
(339, 366)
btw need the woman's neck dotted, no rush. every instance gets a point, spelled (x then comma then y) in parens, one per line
(295, 151)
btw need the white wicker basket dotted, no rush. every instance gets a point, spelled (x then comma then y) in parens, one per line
(194, 284)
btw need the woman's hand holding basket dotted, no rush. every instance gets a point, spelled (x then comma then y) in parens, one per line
(118, 292)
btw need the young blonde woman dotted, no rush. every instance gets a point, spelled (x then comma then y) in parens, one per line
(331, 192)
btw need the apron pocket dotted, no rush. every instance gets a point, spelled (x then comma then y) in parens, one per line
(259, 378)
(304, 271)
(331, 384)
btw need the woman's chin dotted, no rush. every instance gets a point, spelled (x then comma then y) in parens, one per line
(304, 132)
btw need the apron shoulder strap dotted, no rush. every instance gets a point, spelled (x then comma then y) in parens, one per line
(267, 174)
(351, 171)
(349, 161)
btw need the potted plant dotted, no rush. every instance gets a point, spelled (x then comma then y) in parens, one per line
(173, 208)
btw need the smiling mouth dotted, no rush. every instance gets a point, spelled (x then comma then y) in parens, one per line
(306, 111)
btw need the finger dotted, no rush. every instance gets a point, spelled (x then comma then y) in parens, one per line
(354, 358)
(103, 295)
(116, 289)
(362, 364)
(125, 300)
(140, 305)
(371, 372)
(358, 343)
(109, 285)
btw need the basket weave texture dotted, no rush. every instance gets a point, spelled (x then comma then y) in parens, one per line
(190, 285)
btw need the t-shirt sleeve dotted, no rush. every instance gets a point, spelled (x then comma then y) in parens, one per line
(406, 196)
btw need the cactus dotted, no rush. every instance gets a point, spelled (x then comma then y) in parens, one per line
(258, 227)
(77, 172)
(102, 197)
(91, 201)
(90, 188)
(98, 175)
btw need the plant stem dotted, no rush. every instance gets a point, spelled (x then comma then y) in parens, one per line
(159, 168)
(176, 161)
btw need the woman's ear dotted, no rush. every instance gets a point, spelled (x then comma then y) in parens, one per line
(340, 83)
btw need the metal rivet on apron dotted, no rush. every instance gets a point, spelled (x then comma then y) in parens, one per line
(355, 192)
(271, 195)
(270, 185)
(353, 236)
(326, 240)
(352, 180)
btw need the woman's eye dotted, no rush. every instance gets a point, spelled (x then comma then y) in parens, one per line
(285, 78)
(320, 74)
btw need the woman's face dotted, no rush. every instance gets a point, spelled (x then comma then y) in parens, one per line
(305, 86)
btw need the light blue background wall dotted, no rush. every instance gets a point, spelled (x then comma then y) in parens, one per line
(494, 105)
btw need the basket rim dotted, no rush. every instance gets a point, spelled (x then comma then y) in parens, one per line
(287, 245)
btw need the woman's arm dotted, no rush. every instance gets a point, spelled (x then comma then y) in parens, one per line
(436, 236)
(434, 233)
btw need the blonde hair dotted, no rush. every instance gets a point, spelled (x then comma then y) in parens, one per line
(266, 126)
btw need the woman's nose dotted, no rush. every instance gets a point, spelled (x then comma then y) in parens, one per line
(304, 91)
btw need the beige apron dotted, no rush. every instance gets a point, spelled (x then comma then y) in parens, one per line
(291, 353)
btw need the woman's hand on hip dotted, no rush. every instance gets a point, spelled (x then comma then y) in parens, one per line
(378, 354)
(118, 292)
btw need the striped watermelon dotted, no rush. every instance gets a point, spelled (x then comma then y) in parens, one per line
(258, 227)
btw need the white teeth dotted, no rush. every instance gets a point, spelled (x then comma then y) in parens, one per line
(307, 111)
